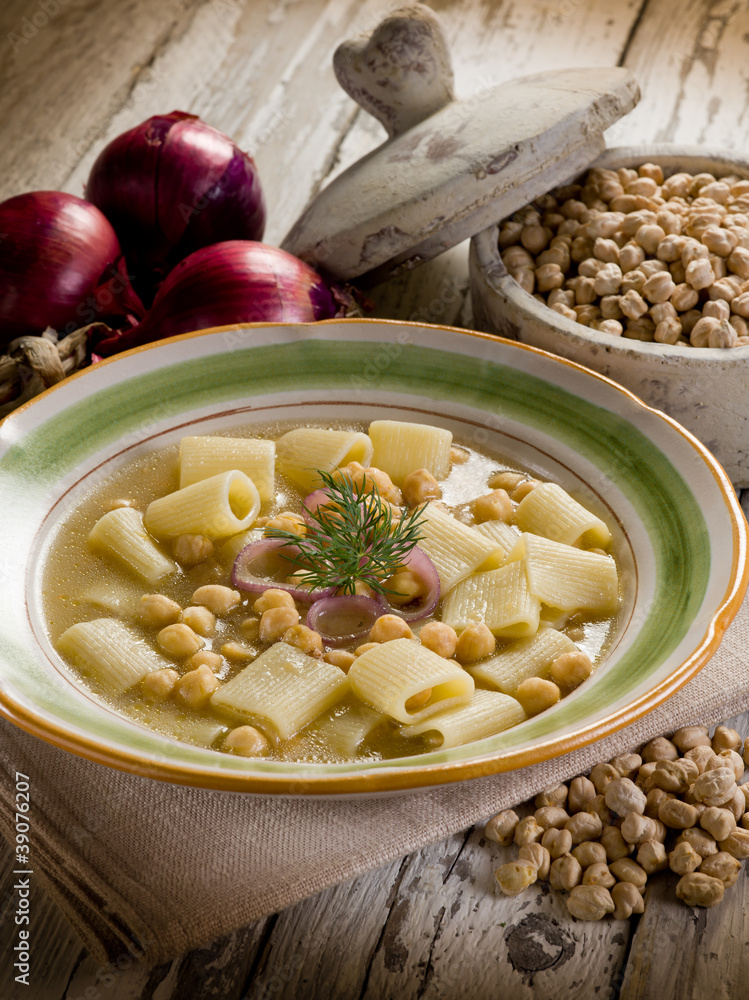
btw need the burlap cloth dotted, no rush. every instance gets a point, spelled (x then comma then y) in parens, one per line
(144, 867)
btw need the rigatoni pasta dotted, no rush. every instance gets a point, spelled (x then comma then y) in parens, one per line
(121, 534)
(391, 677)
(487, 713)
(401, 447)
(112, 654)
(217, 507)
(303, 452)
(203, 457)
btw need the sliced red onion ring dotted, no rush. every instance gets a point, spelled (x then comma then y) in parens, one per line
(245, 576)
(310, 504)
(344, 620)
(422, 566)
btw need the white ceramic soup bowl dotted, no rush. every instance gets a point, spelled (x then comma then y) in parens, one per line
(680, 538)
(703, 388)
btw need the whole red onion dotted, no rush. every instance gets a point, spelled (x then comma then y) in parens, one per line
(60, 265)
(235, 282)
(173, 185)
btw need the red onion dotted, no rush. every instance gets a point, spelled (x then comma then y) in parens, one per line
(422, 566)
(235, 282)
(342, 621)
(60, 265)
(248, 565)
(171, 186)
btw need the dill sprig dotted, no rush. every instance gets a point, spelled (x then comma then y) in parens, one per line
(354, 537)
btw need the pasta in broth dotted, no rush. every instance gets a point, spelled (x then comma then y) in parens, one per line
(328, 594)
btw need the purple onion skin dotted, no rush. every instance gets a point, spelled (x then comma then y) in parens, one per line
(59, 265)
(170, 186)
(235, 282)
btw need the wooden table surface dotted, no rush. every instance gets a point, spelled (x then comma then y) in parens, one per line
(75, 73)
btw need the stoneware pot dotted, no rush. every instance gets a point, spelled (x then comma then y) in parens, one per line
(704, 389)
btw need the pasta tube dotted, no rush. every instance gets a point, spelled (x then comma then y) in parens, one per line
(203, 457)
(217, 507)
(110, 652)
(303, 451)
(390, 674)
(522, 659)
(568, 578)
(401, 448)
(499, 598)
(120, 533)
(487, 713)
(550, 511)
(285, 686)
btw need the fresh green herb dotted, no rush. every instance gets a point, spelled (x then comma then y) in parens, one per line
(354, 537)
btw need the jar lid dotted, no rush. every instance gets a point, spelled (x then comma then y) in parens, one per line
(449, 168)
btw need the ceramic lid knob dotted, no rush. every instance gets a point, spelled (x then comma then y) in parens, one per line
(401, 72)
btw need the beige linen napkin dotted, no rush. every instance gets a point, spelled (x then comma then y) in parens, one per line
(154, 869)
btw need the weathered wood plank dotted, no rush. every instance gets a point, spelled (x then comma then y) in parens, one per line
(323, 945)
(689, 72)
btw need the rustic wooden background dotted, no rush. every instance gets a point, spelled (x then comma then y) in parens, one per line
(75, 73)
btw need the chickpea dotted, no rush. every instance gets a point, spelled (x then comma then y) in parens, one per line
(440, 638)
(569, 670)
(159, 684)
(528, 831)
(659, 749)
(189, 550)
(273, 598)
(218, 599)
(238, 652)
(725, 739)
(388, 627)
(365, 648)
(556, 795)
(683, 859)
(581, 791)
(501, 828)
(246, 741)
(417, 701)
(536, 695)
(406, 586)
(179, 640)
(652, 857)
(557, 842)
(722, 866)
(522, 490)
(158, 609)
(194, 689)
(588, 853)
(306, 639)
(250, 629)
(475, 642)
(200, 620)
(627, 900)
(515, 877)
(505, 480)
(285, 521)
(458, 455)
(584, 826)
(689, 737)
(205, 657)
(590, 902)
(615, 845)
(420, 486)
(275, 621)
(494, 506)
(698, 889)
(537, 856)
(341, 658)
(565, 873)
(549, 817)
(602, 775)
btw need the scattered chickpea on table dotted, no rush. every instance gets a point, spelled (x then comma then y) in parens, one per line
(677, 805)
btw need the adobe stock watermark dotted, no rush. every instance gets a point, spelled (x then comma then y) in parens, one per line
(30, 25)
(22, 881)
